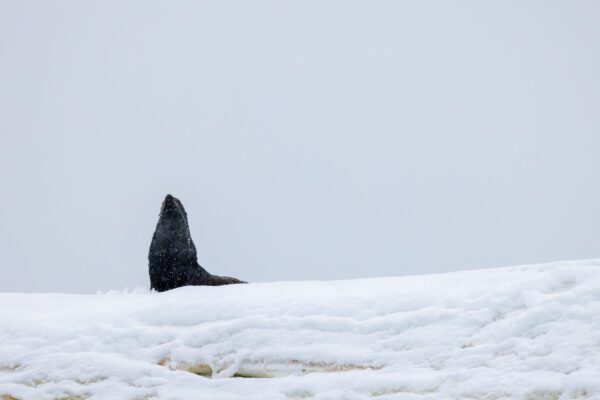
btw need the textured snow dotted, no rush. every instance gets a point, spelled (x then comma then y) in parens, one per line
(528, 332)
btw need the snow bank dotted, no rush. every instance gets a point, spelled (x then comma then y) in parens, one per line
(530, 332)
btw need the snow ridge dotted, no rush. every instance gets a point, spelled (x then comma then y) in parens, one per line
(527, 332)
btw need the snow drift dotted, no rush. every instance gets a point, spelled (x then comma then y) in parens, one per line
(530, 332)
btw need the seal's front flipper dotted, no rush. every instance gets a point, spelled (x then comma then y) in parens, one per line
(216, 280)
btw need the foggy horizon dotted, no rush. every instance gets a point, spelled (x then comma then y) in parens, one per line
(307, 141)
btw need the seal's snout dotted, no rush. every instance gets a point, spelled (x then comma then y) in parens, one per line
(169, 204)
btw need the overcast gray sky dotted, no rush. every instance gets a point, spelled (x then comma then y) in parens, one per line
(307, 139)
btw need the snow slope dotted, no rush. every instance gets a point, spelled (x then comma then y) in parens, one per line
(529, 332)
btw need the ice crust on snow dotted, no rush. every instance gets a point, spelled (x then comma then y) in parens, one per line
(527, 332)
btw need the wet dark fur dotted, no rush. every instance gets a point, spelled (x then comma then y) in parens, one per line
(172, 260)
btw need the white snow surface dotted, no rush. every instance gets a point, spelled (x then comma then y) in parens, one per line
(527, 332)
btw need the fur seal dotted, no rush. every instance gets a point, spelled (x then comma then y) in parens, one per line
(172, 259)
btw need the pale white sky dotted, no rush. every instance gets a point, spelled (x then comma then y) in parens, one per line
(307, 140)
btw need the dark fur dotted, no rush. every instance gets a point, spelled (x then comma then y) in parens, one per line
(172, 260)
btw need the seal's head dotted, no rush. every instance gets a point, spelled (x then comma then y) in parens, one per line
(173, 215)
(172, 231)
